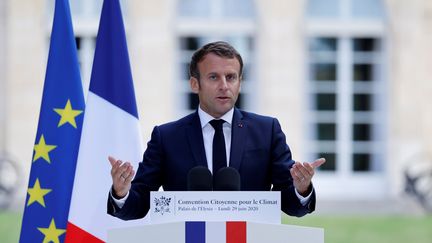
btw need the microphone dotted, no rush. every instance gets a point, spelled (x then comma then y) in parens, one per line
(199, 179)
(227, 179)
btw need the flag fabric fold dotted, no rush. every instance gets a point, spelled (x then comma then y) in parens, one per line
(110, 127)
(57, 138)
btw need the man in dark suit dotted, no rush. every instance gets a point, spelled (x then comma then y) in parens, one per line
(253, 144)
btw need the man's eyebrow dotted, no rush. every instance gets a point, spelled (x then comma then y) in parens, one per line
(232, 73)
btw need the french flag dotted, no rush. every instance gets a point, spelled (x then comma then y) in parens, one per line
(110, 127)
(215, 232)
(186, 232)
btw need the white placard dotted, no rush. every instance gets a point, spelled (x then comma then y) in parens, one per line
(255, 206)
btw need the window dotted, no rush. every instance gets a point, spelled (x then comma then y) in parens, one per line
(362, 102)
(323, 69)
(354, 9)
(326, 131)
(216, 8)
(330, 164)
(231, 21)
(325, 102)
(358, 89)
(85, 50)
(85, 17)
(345, 80)
(323, 8)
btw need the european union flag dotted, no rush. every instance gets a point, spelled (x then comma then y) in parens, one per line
(57, 139)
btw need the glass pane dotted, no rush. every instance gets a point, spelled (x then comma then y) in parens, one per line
(239, 102)
(324, 72)
(362, 102)
(243, 44)
(367, 9)
(323, 8)
(363, 72)
(325, 102)
(194, 8)
(323, 44)
(78, 42)
(365, 44)
(238, 8)
(330, 164)
(326, 131)
(361, 162)
(218, 9)
(185, 71)
(193, 101)
(362, 132)
(97, 7)
(77, 7)
(250, 43)
(189, 43)
(246, 72)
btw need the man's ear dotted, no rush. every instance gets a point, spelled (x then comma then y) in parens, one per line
(194, 84)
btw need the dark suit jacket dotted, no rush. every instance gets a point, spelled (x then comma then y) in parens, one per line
(258, 151)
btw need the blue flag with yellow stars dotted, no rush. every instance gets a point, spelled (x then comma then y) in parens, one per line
(57, 139)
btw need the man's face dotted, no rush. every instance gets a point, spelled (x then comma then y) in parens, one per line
(219, 84)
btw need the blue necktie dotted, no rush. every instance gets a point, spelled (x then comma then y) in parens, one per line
(219, 151)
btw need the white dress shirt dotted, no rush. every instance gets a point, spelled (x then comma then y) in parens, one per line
(208, 133)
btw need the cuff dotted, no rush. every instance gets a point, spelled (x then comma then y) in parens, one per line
(303, 200)
(119, 202)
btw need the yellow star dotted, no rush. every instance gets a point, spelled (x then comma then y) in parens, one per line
(42, 149)
(37, 194)
(68, 114)
(51, 233)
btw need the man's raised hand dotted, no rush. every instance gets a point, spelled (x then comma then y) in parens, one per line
(122, 175)
(302, 174)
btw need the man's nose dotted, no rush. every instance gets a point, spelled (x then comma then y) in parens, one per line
(223, 83)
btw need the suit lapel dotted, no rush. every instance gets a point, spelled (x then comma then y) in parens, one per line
(195, 139)
(238, 139)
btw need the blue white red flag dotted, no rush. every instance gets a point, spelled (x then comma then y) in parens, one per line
(110, 127)
(215, 232)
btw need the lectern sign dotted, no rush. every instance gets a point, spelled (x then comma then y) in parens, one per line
(174, 206)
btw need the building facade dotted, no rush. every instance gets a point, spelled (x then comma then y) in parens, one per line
(348, 80)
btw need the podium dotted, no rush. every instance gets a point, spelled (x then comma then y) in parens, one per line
(216, 217)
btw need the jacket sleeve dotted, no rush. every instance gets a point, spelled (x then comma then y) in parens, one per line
(281, 163)
(147, 178)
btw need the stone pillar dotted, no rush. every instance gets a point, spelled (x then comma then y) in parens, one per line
(152, 50)
(280, 58)
(3, 74)
(410, 62)
(27, 51)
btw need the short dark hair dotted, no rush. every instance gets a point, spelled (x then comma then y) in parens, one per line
(220, 48)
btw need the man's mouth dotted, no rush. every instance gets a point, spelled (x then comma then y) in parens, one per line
(223, 98)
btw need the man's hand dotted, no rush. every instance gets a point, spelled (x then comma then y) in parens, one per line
(122, 175)
(302, 174)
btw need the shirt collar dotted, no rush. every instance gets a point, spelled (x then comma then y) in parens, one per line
(205, 118)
